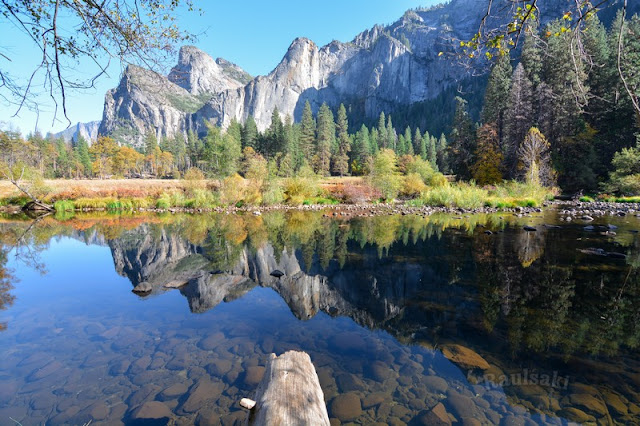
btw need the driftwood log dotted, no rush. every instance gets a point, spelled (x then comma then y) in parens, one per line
(289, 393)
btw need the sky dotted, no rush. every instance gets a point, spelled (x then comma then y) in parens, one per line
(254, 34)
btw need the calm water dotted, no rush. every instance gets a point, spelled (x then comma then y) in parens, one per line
(407, 319)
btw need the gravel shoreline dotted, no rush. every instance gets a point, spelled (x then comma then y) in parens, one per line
(570, 210)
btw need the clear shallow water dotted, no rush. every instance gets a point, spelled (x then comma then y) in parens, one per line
(399, 315)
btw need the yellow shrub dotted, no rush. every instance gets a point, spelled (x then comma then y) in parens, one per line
(233, 190)
(412, 185)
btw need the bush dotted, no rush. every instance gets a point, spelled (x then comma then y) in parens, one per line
(297, 189)
(586, 199)
(273, 192)
(64, 206)
(194, 179)
(358, 194)
(513, 193)
(234, 189)
(202, 199)
(463, 195)
(193, 174)
(627, 185)
(412, 186)
(384, 174)
(164, 202)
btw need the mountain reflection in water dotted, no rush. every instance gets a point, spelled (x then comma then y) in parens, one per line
(408, 319)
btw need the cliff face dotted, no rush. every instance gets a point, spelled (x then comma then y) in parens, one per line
(147, 102)
(381, 69)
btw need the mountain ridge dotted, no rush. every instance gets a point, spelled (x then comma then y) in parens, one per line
(382, 69)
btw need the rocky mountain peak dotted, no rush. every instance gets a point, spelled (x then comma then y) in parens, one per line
(200, 74)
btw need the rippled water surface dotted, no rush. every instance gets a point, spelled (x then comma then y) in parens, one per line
(407, 319)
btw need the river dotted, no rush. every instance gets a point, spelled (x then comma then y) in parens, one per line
(407, 319)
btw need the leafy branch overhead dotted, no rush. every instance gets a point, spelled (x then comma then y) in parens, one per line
(87, 35)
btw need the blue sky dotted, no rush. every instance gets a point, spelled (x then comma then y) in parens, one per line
(254, 34)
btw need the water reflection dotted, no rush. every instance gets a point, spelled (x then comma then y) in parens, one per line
(482, 320)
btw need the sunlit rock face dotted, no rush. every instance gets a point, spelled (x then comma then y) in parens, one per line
(146, 102)
(379, 70)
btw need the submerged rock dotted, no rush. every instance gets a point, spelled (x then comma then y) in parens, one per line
(152, 410)
(464, 357)
(346, 407)
(437, 416)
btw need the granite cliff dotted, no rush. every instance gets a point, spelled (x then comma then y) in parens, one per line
(379, 70)
(385, 68)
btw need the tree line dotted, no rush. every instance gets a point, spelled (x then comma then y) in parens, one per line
(319, 142)
(567, 116)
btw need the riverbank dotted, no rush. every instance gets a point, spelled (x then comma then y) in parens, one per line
(281, 193)
(347, 197)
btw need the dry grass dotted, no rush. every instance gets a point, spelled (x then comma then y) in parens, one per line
(84, 192)
(85, 188)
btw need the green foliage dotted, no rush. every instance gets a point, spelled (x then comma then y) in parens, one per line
(221, 152)
(497, 92)
(273, 192)
(487, 167)
(462, 195)
(185, 103)
(462, 141)
(412, 185)
(298, 189)
(64, 206)
(325, 141)
(163, 202)
(202, 199)
(384, 174)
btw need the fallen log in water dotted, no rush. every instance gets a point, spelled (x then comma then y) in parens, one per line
(289, 393)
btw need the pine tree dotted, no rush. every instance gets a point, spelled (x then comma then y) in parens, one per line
(326, 138)
(82, 152)
(374, 140)
(382, 132)
(274, 136)
(432, 152)
(361, 151)
(307, 133)
(392, 136)
(292, 143)
(341, 164)
(442, 154)
(531, 58)
(221, 152)
(150, 143)
(579, 158)
(401, 146)
(419, 146)
(518, 117)
(566, 79)
(497, 93)
(195, 148)
(462, 141)
(408, 142)
(250, 133)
